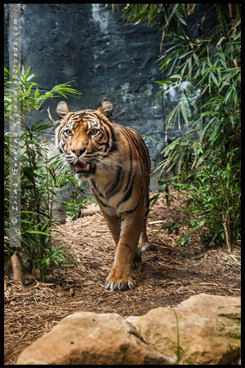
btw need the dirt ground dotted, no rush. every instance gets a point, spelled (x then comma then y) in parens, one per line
(168, 275)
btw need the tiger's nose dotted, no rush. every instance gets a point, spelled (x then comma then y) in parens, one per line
(78, 152)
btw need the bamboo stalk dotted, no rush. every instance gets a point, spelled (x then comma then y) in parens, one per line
(16, 266)
(227, 235)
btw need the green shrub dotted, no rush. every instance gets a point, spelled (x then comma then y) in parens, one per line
(37, 174)
(205, 71)
(210, 149)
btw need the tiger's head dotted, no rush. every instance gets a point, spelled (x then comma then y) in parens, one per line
(85, 137)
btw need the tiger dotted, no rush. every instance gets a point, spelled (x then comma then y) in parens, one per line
(115, 161)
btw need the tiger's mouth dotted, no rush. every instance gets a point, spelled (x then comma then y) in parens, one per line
(84, 168)
(81, 167)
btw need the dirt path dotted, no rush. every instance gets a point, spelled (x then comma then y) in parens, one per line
(168, 275)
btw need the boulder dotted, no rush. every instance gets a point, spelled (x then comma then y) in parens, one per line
(209, 329)
(209, 333)
(89, 338)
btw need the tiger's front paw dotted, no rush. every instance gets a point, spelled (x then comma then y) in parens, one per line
(118, 280)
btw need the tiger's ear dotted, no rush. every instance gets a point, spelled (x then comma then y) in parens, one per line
(62, 109)
(106, 107)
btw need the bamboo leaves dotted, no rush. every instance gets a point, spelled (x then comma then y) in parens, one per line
(202, 80)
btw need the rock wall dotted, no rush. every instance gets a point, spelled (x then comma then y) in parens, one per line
(105, 57)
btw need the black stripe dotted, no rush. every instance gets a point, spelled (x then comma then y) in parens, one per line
(81, 115)
(117, 184)
(107, 133)
(113, 148)
(135, 208)
(130, 182)
(131, 164)
(63, 147)
(110, 135)
(141, 148)
(129, 136)
(102, 203)
(99, 200)
(96, 189)
(129, 192)
(134, 137)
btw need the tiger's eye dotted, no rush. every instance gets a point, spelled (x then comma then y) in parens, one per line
(68, 132)
(93, 131)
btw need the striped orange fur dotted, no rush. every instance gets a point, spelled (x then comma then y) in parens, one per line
(115, 160)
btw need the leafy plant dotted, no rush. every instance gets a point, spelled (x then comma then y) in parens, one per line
(64, 176)
(37, 175)
(73, 208)
(204, 70)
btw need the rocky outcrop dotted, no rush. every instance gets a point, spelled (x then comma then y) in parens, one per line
(208, 329)
(90, 338)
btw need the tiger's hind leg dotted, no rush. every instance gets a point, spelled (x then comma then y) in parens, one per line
(143, 241)
(142, 246)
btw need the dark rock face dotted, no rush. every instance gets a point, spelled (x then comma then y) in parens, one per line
(105, 57)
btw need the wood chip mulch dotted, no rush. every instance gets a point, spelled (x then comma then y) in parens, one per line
(168, 275)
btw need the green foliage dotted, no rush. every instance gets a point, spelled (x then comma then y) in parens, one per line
(156, 14)
(64, 176)
(37, 175)
(205, 71)
(73, 208)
